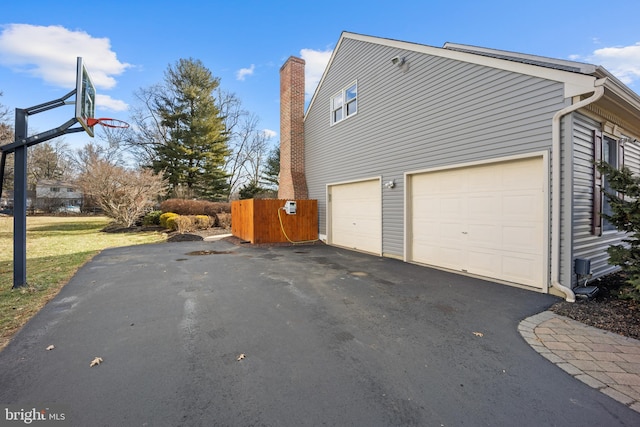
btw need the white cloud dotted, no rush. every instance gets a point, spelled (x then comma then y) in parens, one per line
(622, 61)
(108, 103)
(269, 133)
(49, 53)
(244, 72)
(315, 63)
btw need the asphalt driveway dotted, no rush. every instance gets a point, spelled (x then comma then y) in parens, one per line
(330, 337)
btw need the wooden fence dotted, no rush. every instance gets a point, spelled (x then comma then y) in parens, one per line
(265, 221)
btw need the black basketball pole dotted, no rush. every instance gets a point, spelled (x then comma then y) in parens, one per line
(19, 148)
(20, 202)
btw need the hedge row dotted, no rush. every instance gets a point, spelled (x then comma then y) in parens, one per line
(195, 207)
(186, 223)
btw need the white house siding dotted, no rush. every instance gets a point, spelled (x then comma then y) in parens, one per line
(438, 112)
(67, 194)
(585, 244)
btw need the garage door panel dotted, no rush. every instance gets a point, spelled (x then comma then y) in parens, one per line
(450, 257)
(490, 220)
(521, 270)
(526, 239)
(483, 180)
(483, 235)
(522, 206)
(451, 181)
(451, 207)
(516, 177)
(483, 205)
(356, 215)
(525, 271)
(483, 263)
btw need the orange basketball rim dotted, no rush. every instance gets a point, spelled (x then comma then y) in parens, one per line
(107, 122)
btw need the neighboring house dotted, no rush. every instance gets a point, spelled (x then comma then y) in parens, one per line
(469, 159)
(53, 195)
(6, 201)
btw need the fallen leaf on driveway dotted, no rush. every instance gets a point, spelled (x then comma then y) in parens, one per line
(242, 356)
(51, 347)
(96, 361)
(478, 334)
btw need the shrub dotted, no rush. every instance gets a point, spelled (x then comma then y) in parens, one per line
(224, 220)
(152, 218)
(164, 218)
(122, 194)
(171, 222)
(194, 207)
(183, 223)
(626, 217)
(202, 222)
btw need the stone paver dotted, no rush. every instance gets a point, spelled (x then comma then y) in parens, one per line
(603, 360)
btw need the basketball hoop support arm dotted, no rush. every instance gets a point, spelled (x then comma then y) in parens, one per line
(19, 147)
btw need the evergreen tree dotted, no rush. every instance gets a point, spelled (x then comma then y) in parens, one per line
(195, 146)
(250, 190)
(271, 173)
(624, 200)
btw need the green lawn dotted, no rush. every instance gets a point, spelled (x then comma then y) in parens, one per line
(56, 248)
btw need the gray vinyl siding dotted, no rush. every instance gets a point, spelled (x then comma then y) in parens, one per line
(439, 112)
(585, 244)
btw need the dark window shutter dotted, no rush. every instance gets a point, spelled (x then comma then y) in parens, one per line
(596, 219)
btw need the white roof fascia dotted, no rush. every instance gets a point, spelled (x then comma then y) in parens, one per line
(620, 89)
(579, 67)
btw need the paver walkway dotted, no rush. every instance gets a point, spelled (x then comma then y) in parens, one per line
(604, 360)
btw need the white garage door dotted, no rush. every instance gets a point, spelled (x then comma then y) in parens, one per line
(355, 211)
(486, 220)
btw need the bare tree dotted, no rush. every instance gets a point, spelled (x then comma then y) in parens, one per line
(88, 154)
(6, 132)
(149, 131)
(256, 155)
(247, 144)
(240, 145)
(49, 160)
(6, 137)
(123, 194)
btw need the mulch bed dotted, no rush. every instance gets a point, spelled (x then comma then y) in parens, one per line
(606, 310)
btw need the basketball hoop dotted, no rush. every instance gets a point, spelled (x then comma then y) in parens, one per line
(106, 122)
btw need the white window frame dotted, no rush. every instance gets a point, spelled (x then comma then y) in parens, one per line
(613, 146)
(339, 102)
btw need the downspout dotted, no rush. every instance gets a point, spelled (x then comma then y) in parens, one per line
(555, 186)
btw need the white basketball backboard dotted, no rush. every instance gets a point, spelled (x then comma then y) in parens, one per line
(85, 97)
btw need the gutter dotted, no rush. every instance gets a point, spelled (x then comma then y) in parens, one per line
(555, 189)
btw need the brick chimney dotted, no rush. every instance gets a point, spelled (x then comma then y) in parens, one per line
(293, 183)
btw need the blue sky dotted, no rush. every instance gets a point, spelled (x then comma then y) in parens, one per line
(128, 45)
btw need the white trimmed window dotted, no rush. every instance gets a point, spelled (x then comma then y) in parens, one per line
(344, 104)
(611, 155)
(610, 151)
